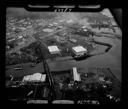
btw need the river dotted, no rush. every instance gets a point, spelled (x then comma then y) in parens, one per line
(111, 59)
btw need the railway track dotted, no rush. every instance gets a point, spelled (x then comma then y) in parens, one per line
(46, 67)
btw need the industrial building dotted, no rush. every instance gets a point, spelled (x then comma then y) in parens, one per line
(36, 77)
(53, 49)
(79, 50)
(76, 75)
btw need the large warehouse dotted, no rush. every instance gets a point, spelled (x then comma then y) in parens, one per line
(53, 49)
(36, 77)
(79, 50)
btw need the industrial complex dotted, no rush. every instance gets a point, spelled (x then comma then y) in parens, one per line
(64, 58)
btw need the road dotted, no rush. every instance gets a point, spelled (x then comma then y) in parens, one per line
(52, 33)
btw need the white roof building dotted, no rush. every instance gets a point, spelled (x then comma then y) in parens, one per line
(79, 50)
(53, 49)
(36, 77)
(76, 75)
(26, 78)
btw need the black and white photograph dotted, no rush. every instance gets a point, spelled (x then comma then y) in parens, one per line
(63, 57)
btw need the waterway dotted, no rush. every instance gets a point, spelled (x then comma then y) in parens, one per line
(111, 59)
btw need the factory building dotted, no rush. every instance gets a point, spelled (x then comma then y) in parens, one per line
(79, 50)
(36, 77)
(76, 75)
(53, 49)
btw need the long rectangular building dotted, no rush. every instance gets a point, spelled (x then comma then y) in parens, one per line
(76, 75)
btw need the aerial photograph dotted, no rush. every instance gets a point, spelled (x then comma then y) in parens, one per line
(63, 57)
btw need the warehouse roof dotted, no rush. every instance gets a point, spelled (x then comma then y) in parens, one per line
(79, 49)
(35, 77)
(76, 75)
(53, 49)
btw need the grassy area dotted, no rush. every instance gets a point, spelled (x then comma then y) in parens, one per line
(28, 54)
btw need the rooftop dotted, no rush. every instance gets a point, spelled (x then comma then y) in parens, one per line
(76, 75)
(79, 49)
(53, 49)
(35, 77)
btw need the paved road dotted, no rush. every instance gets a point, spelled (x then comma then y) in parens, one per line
(52, 33)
